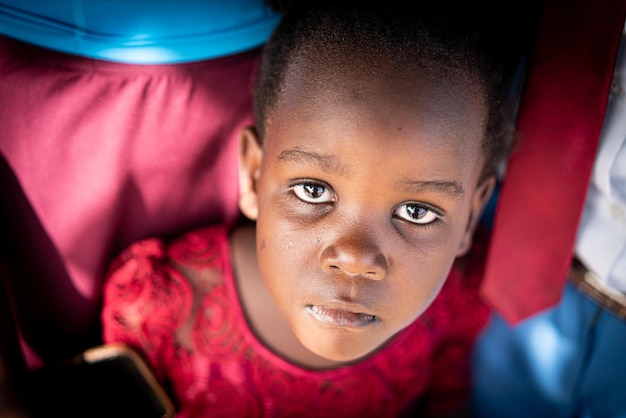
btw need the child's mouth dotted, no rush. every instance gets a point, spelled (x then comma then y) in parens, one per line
(341, 318)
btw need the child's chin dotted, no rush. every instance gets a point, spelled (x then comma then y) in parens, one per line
(340, 350)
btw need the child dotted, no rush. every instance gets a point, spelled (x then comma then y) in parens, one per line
(377, 134)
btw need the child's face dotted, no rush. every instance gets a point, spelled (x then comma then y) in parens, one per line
(364, 192)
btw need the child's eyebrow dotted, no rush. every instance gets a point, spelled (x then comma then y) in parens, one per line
(450, 188)
(327, 163)
(332, 164)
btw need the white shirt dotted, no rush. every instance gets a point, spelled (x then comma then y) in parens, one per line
(601, 239)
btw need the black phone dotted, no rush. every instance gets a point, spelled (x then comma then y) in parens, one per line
(109, 381)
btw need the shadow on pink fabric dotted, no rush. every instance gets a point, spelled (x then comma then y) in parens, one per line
(97, 155)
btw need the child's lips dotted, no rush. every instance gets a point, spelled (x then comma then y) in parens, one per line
(341, 317)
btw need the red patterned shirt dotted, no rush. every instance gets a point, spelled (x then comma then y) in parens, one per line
(177, 304)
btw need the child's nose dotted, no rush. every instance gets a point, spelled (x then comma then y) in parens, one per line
(355, 254)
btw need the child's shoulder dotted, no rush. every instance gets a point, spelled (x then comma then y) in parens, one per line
(192, 246)
(199, 246)
(154, 278)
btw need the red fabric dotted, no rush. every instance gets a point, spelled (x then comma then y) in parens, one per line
(106, 154)
(194, 335)
(545, 185)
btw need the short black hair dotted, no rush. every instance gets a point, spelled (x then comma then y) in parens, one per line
(471, 36)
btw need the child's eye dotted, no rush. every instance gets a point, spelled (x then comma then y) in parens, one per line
(312, 192)
(417, 214)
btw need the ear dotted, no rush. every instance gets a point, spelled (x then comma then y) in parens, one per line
(250, 157)
(481, 196)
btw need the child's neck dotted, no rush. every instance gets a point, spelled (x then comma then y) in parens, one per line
(262, 314)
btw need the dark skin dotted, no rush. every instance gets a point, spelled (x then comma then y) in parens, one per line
(364, 191)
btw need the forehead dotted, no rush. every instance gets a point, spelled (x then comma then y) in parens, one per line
(324, 93)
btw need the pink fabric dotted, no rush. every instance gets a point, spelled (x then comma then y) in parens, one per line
(109, 153)
(194, 335)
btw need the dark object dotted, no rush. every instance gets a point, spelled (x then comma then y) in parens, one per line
(107, 381)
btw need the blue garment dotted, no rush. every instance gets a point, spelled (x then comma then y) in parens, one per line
(569, 361)
(140, 31)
